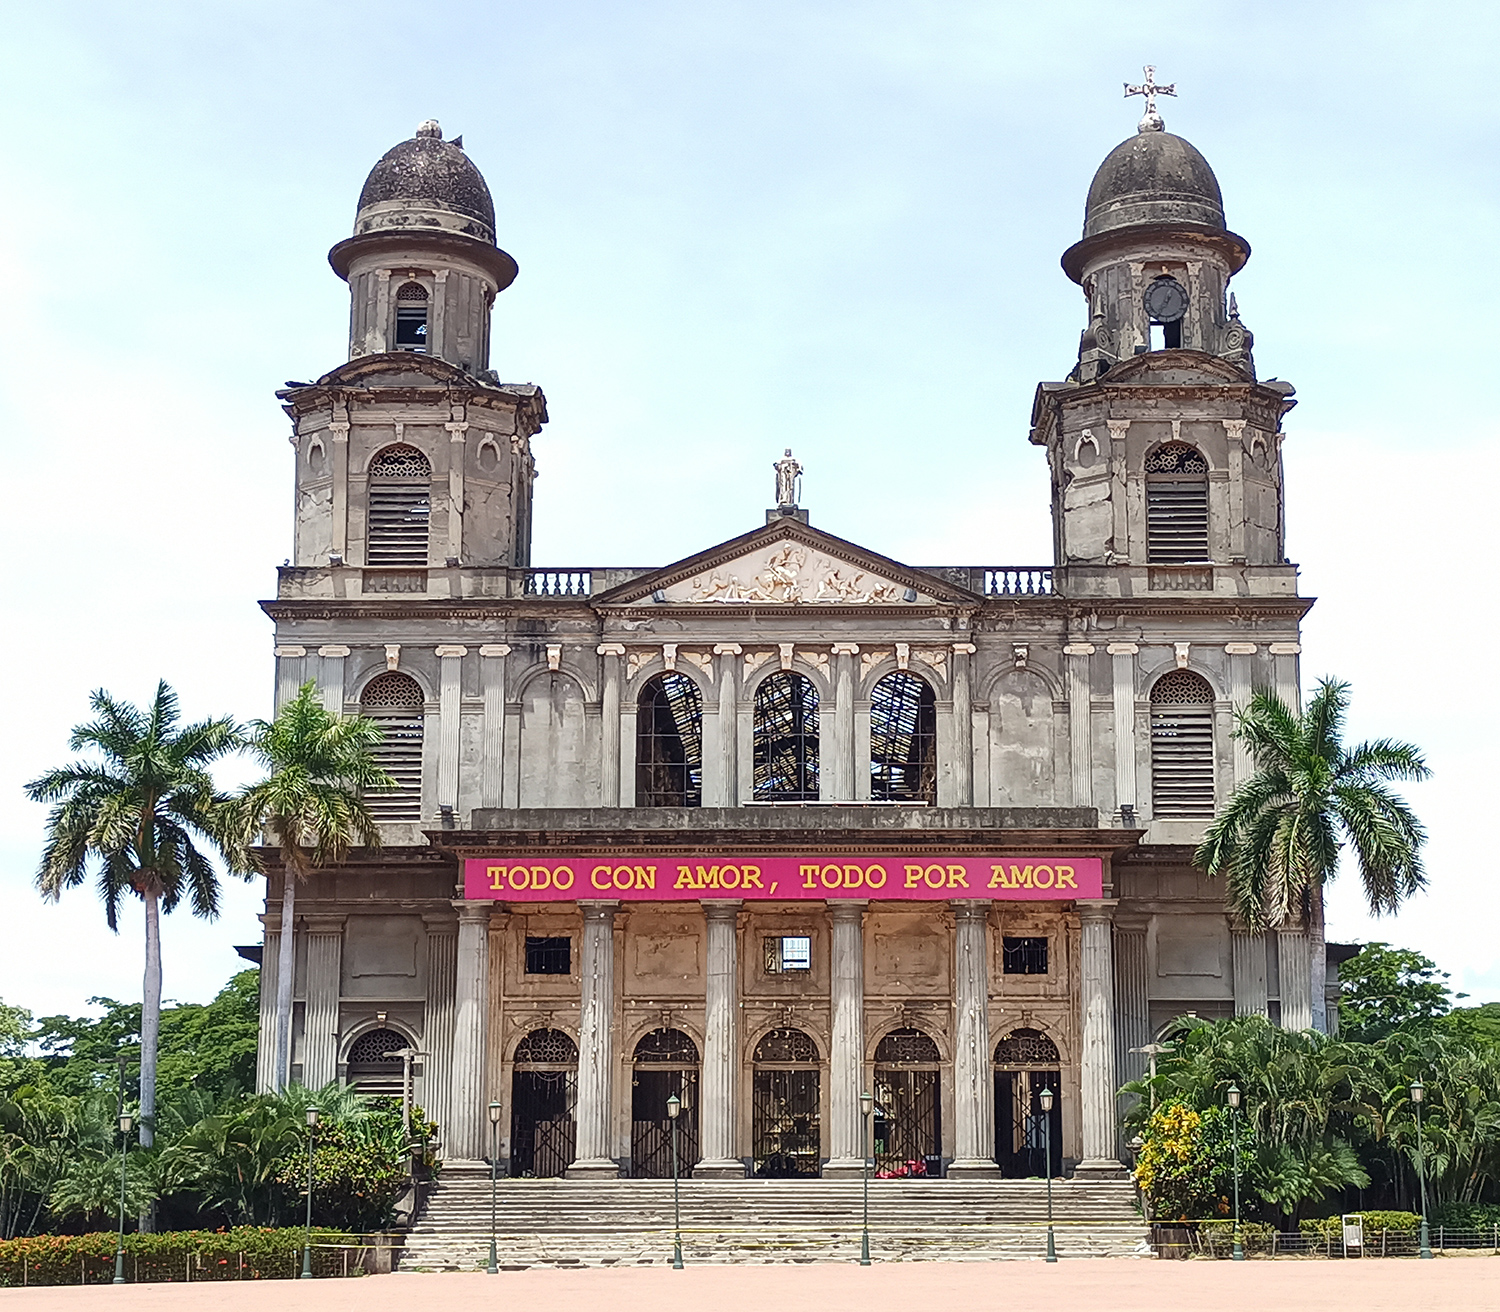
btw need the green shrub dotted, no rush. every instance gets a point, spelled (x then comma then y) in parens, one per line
(1217, 1237)
(1468, 1216)
(244, 1253)
(1332, 1227)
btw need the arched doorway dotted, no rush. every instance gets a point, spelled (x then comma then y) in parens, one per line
(785, 1127)
(374, 1068)
(908, 1110)
(543, 1093)
(1026, 1062)
(665, 1062)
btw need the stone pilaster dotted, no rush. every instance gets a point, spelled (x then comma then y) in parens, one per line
(1288, 675)
(836, 770)
(1080, 739)
(1099, 1121)
(973, 1081)
(718, 1105)
(1240, 654)
(1122, 666)
(289, 676)
(596, 1046)
(492, 748)
(338, 431)
(611, 776)
(438, 1016)
(963, 727)
(466, 1135)
(320, 1014)
(1132, 1001)
(1296, 979)
(727, 790)
(846, 1064)
(265, 1038)
(458, 434)
(331, 660)
(450, 690)
(1248, 954)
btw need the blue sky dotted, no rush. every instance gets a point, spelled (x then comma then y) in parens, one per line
(830, 226)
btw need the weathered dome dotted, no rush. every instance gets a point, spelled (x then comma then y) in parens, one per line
(426, 182)
(1154, 177)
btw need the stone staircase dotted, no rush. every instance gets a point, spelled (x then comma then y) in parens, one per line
(629, 1222)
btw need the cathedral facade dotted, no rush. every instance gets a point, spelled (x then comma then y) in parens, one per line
(834, 849)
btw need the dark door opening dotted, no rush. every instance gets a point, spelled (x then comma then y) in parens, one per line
(908, 1124)
(786, 1129)
(651, 1127)
(542, 1129)
(1020, 1123)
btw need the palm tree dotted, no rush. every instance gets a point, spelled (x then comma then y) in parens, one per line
(311, 802)
(143, 814)
(1278, 839)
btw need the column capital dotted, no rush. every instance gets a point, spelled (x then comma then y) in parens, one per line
(290, 651)
(964, 648)
(1239, 648)
(473, 912)
(322, 924)
(845, 649)
(449, 652)
(1286, 649)
(339, 431)
(610, 649)
(493, 649)
(1097, 909)
(597, 910)
(439, 922)
(970, 908)
(724, 909)
(727, 649)
(847, 910)
(333, 649)
(1078, 649)
(1123, 649)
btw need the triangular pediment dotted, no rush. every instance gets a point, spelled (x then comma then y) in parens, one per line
(788, 563)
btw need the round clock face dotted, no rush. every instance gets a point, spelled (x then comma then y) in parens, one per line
(1166, 301)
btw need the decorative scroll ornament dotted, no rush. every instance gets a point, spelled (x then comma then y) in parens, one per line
(935, 657)
(637, 657)
(754, 660)
(789, 574)
(703, 660)
(817, 659)
(868, 660)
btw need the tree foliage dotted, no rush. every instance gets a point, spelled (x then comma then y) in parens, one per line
(1383, 989)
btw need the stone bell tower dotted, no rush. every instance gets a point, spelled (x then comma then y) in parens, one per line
(1165, 450)
(414, 461)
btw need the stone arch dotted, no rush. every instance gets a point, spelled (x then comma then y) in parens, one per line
(1177, 504)
(669, 741)
(1183, 750)
(903, 763)
(395, 701)
(557, 742)
(664, 1063)
(786, 731)
(1027, 1061)
(398, 507)
(1023, 740)
(367, 1062)
(790, 1044)
(532, 1043)
(907, 1034)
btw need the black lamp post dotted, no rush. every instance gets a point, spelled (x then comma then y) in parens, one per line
(494, 1267)
(312, 1125)
(867, 1110)
(126, 1121)
(674, 1108)
(1234, 1130)
(1045, 1098)
(1416, 1096)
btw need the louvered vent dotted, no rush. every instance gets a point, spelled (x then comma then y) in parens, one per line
(1176, 506)
(1182, 747)
(400, 507)
(394, 702)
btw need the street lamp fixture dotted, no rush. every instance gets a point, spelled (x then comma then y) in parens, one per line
(494, 1267)
(1234, 1130)
(867, 1110)
(312, 1115)
(1416, 1091)
(126, 1121)
(674, 1110)
(1045, 1098)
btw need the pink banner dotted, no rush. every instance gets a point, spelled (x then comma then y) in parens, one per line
(539, 878)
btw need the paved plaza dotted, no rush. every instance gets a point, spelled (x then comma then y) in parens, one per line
(1470, 1282)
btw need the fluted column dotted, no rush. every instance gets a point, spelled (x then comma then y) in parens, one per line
(289, 662)
(973, 1080)
(718, 1106)
(265, 1038)
(611, 780)
(727, 790)
(320, 1014)
(1081, 752)
(331, 660)
(1099, 1121)
(437, 1018)
(1248, 953)
(492, 749)
(836, 770)
(1132, 1001)
(1296, 979)
(1122, 663)
(1240, 654)
(449, 704)
(596, 1042)
(963, 727)
(338, 432)
(466, 1133)
(846, 1059)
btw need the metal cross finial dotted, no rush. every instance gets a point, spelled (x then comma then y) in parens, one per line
(1151, 121)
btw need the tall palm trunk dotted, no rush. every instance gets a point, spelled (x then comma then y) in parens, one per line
(286, 964)
(150, 1031)
(1317, 951)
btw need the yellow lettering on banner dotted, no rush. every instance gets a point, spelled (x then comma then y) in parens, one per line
(809, 873)
(707, 878)
(520, 878)
(1065, 877)
(958, 877)
(871, 881)
(913, 873)
(684, 878)
(496, 876)
(935, 877)
(854, 876)
(594, 878)
(541, 877)
(729, 877)
(624, 879)
(997, 877)
(645, 877)
(1020, 878)
(558, 876)
(832, 877)
(752, 877)
(1050, 876)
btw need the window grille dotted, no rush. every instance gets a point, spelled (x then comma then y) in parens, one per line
(1026, 1047)
(1023, 956)
(786, 739)
(376, 1046)
(906, 1047)
(669, 743)
(548, 956)
(788, 954)
(786, 1045)
(547, 1047)
(411, 318)
(666, 1047)
(373, 1067)
(1182, 747)
(903, 740)
(400, 507)
(394, 702)
(1176, 506)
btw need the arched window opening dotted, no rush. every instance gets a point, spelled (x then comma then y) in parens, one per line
(908, 1106)
(1026, 1062)
(1176, 506)
(786, 739)
(903, 740)
(394, 702)
(400, 507)
(411, 317)
(375, 1066)
(544, 1094)
(666, 1063)
(786, 1128)
(669, 743)
(1182, 747)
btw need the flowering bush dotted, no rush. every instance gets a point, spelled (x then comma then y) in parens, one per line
(1185, 1166)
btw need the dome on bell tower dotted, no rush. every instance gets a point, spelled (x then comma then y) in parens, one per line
(1154, 177)
(426, 182)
